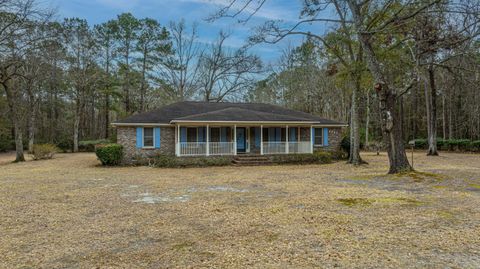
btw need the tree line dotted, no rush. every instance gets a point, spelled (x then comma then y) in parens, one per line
(65, 81)
(394, 70)
(397, 67)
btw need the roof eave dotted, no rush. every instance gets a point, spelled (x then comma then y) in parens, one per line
(139, 124)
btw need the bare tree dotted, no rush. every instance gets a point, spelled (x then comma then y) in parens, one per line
(18, 23)
(81, 51)
(179, 72)
(224, 71)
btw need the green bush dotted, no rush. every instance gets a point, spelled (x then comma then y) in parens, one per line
(168, 161)
(323, 156)
(316, 157)
(109, 154)
(345, 145)
(475, 145)
(420, 143)
(89, 145)
(6, 143)
(44, 151)
(458, 144)
(65, 144)
(449, 144)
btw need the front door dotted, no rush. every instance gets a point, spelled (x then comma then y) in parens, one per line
(241, 139)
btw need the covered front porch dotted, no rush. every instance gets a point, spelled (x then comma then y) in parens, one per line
(217, 140)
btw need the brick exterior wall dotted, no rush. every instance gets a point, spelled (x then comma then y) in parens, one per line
(127, 137)
(334, 140)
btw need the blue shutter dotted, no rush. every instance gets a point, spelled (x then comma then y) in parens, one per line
(183, 134)
(139, 137)
(325, 137)
(157, 137)
(257, 137)
(223, 134)
(200, 134)
(293, 135)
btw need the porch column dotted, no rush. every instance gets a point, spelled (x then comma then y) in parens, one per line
(261, 139)
(208, 141)
(286, 139)
(311, 139)
(234, 139)
(177, 146)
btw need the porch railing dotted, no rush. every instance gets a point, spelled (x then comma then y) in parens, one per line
(299, 147)
(192, 148)
(200, 148)
(222, 148)
(228, 148)
(280, 147)
(274, 147)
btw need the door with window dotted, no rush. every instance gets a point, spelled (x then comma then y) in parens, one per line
(241, 139)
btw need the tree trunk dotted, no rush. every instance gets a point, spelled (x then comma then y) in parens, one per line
(444, 117)
(355, 158)
(390, 118)
(107, 114)
(12, 102)
(450, 117)
(143, 83)
(432, 119)
(367, 123)
(31, 129)
(76, 123)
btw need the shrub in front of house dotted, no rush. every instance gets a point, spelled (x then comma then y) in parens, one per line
(169, 161)
(316, 157)
(44, 151)
(109, 154)
(89, 145)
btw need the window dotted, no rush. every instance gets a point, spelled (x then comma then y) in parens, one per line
(192, 134)
(318, 136)
(148, 138)
(214, 134)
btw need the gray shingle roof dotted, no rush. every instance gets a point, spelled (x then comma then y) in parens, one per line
(228, 112)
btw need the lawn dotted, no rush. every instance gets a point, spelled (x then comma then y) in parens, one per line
(71, 213)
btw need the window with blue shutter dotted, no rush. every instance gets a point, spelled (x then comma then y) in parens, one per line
(325, 137)
(318, 136)
(139, 137)
(157, 137)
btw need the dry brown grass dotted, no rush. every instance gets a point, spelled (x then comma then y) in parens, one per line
(71, 213)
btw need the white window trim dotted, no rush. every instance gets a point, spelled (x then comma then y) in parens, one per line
(143, 138)
(314, 131)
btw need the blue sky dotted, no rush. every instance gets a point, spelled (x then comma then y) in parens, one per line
(98, 11)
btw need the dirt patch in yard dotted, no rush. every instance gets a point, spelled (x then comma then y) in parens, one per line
(71, 213)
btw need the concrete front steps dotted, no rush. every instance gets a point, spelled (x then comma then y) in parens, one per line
(248, 160)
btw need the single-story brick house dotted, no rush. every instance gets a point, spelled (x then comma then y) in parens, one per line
(212, 129)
